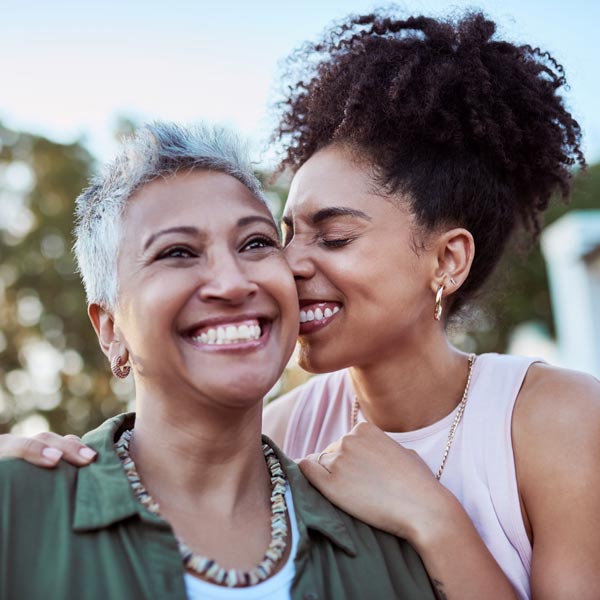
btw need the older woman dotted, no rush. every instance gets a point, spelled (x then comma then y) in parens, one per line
(188, 289)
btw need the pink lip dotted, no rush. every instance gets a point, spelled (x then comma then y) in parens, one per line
(312, 326)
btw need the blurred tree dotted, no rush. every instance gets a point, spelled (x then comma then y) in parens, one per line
(50, 367)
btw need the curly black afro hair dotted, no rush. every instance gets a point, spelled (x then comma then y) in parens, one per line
(470, 128)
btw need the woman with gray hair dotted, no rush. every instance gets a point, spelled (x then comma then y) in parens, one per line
(189, 290)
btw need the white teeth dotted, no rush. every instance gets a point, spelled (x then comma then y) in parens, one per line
(318, 314)
(229, 334)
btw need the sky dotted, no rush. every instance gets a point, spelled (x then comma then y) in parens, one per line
(68, 69)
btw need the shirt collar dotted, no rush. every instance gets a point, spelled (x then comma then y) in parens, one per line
(104, 496)
(314, 511)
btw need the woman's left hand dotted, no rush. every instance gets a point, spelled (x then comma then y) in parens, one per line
(373, 478)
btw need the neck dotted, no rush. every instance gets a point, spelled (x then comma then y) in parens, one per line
(417, 385)
(211, 457)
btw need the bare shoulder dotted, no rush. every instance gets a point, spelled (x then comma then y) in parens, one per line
(556, 439)
(277, 415)
(557, 413)
(555, 400)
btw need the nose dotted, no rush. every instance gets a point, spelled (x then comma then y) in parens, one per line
(299, 260)
(227, 282)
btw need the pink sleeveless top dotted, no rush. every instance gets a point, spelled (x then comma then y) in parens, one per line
(480, 469)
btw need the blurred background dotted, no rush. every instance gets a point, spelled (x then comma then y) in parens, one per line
(76, 76)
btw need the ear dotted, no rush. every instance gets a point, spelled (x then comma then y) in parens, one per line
(104, 326)
(455, 250)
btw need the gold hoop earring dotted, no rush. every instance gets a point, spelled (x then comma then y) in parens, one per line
(119, 371)
(437, 311)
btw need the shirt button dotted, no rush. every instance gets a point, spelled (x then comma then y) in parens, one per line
(310, 596)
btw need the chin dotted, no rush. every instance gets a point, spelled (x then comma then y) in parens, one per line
(245, 387)
(320, 361)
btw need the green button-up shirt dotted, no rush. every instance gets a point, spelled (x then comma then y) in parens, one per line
(81, 534)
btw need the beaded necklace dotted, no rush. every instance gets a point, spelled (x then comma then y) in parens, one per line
(206, 567)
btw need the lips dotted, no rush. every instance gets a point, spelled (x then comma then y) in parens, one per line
(317, 315)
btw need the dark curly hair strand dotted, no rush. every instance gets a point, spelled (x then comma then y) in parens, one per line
(471, 129)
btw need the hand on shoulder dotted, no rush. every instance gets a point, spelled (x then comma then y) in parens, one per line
(46, 449)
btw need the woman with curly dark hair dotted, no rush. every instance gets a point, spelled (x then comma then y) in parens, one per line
(418, 147)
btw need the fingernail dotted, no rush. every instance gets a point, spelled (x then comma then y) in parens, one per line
(52, 454)
(87, 453)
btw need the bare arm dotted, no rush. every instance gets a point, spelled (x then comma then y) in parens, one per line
(556, 436)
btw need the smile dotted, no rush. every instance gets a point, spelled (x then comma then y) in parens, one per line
(228, 333)
(317, 315)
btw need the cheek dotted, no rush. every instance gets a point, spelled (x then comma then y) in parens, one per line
(283, 289)
(148, 310)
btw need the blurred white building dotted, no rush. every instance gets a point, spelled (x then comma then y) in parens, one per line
(571, 247)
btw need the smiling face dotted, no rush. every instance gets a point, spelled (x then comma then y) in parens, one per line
(364, 291)
(206, 306)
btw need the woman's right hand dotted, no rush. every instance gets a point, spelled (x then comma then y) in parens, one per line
(46, 449)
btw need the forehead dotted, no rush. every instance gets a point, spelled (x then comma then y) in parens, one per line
(200, 198)
(330, 176)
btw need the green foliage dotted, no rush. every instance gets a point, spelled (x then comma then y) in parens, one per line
(51, 364)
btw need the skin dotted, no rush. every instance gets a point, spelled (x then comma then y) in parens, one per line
(212, 257)
(345, 259)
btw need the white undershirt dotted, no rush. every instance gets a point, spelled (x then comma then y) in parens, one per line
(275, 588)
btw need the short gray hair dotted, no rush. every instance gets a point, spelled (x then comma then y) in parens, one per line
(156, 150)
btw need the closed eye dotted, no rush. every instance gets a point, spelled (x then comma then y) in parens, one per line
(336, 243)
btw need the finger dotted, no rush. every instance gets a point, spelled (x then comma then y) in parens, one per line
(323, 459)
(316, 473)
(73, 449)
(29, 449)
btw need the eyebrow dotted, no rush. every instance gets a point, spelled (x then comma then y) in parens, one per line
(331, 213)
(189, 230)
(257, 218)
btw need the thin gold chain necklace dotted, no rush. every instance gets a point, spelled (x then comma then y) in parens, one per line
(457, 417)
